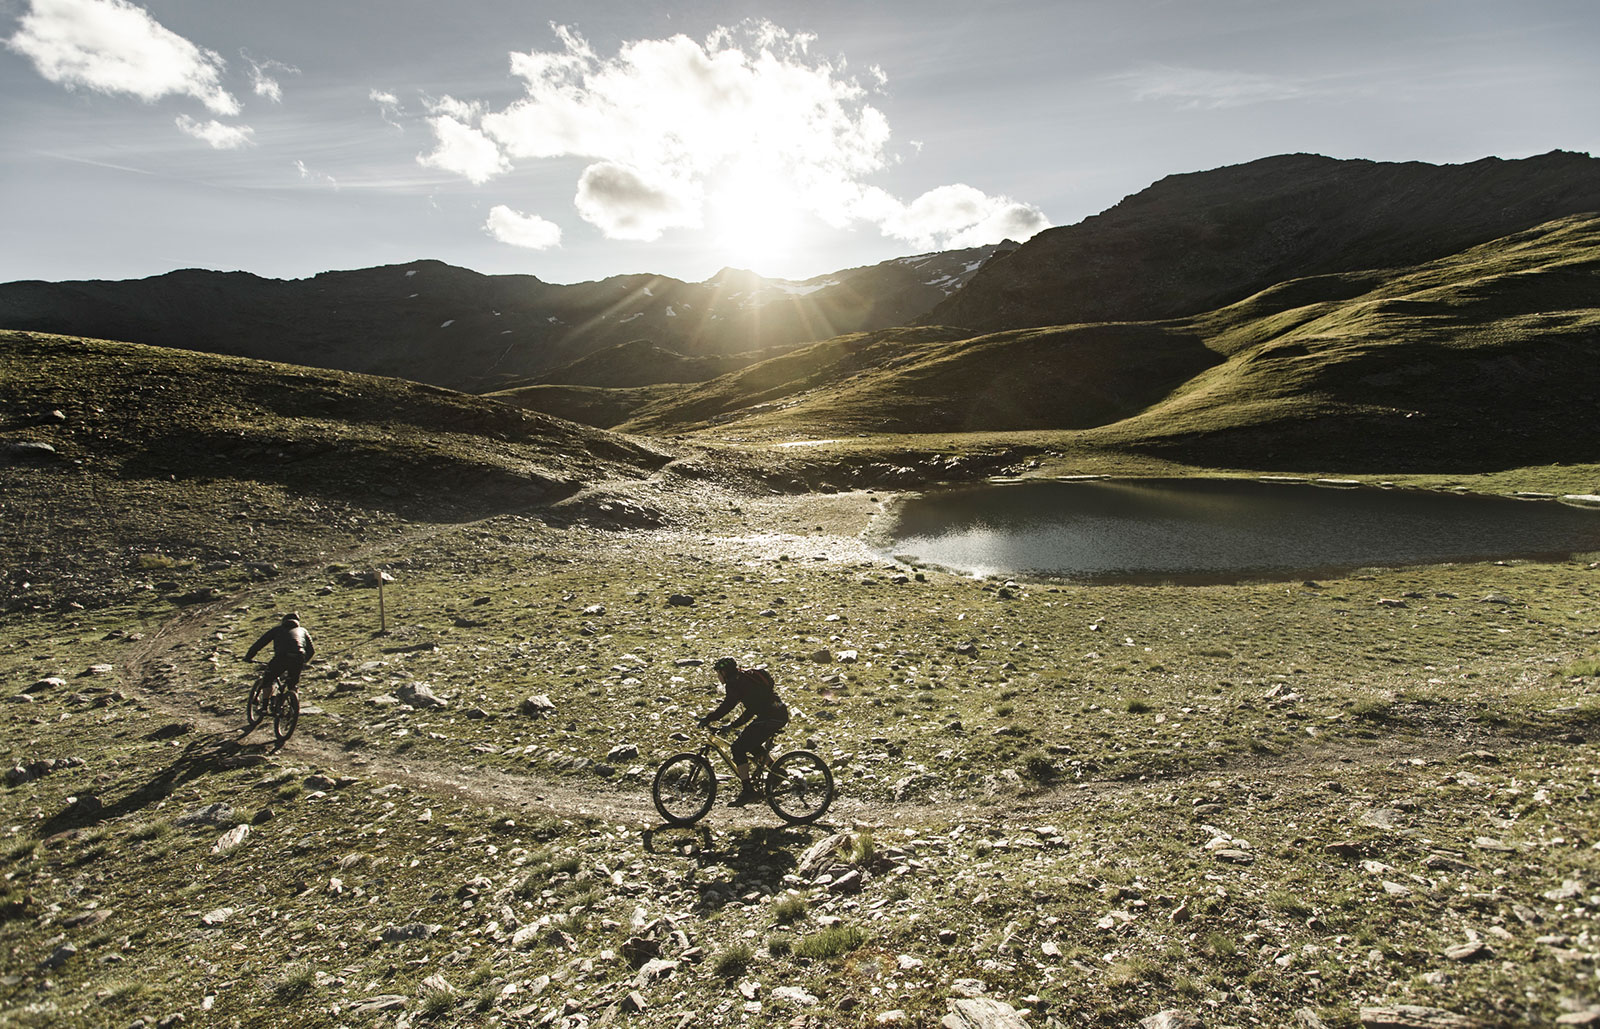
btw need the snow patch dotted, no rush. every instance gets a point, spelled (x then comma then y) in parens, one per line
(447, 323)
(670, 312)
(411, 273)
(628, 318)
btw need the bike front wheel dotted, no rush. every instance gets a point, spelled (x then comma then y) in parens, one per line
(799, 787)
(255, 708)
(685, 788)
(285, 716)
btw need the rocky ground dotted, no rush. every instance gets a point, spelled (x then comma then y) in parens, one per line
(1360, 801)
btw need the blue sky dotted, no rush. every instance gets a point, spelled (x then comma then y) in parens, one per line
(577, 140)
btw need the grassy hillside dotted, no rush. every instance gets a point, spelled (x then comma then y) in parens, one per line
(1478, 360)
(116, 453)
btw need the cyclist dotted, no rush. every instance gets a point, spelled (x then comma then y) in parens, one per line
(291, 649)
(767, 715)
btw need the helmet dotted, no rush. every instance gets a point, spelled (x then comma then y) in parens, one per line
(725, 664)
(291, 617)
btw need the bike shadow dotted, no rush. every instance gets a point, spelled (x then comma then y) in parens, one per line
(207, 754)
(728, 865)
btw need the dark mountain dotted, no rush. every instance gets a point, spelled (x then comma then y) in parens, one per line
(1196, 242)
(431, 322)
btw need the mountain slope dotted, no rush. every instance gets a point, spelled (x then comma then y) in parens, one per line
(431, 322)
(1191, 243)
(1483, 357)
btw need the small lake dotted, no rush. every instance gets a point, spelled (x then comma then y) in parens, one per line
(1219, 530)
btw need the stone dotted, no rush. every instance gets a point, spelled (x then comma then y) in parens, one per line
(1172, 1018)
(216, 916)
(1475, 950)
(982, 1013)
(380, 1002)
(680, 600)
(1415, 1016)
(538, 706)
(60, 956)
(820, 854)
(420, 695)
(634, 1002)
(622, 752)
(231, 840)
(796, 996)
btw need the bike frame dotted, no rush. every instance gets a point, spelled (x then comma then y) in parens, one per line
(761, 762)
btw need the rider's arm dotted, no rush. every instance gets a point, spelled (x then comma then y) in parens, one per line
(266, 638)
(743, 718)
(721, 709)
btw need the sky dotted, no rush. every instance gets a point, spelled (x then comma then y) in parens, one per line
(577, 140)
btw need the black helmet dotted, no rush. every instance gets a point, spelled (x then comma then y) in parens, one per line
(725, 664)
(291, 617)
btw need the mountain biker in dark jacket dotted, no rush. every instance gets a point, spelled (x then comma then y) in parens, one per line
(291, 649)
(766, 713)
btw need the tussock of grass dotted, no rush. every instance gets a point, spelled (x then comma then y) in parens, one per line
(830, 942)
(732, 961)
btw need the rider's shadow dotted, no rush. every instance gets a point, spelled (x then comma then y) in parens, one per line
(757, 859)
(207, 754)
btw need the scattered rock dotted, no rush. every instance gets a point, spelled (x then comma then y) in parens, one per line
(1475, 950)
(538, 706)
(413, 931)
(796, 996)
(60, 956)
(680, 600)
(982, 1013)
(420, 695)
(1413, 1016)
(212, 814)
(231, 839)
(216, 916)
(380, 1002)
(622, 752)
(1172, 1018)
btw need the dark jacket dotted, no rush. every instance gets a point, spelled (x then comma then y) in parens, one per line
(290, 643)
(755, 691)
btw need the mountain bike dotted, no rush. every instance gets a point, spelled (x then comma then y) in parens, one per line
(798, 785)
(282, 704)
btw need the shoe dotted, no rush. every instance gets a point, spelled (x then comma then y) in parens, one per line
(746, 795)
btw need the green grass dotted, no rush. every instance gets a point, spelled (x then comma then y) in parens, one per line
(731, 962)
(831, 942)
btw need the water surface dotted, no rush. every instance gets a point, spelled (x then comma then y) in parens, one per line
(1220, 530)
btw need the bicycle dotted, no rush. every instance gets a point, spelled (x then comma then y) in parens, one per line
(798, 786)
(282, 704)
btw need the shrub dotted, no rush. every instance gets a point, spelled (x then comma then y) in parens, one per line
(436, 1003)
(1036, 765)
(789, 910)
(1373, 709)
(733, 961)
(779, 944)
(830, 942)
(1138, 706)
(296, 981)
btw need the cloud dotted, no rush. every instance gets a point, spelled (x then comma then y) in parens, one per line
(315, 176)
(670, 127)
(951, 217)
(626, 204)
(522, 230)
(217, 135)
(462, 148)
(263, 77)
(1193, 88)
(112, 46)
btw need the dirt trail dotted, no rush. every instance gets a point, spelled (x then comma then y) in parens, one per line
(161, 685)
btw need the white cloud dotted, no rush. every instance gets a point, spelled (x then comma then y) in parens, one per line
(263, 77)
(672, 127)
(1192, 88)
(462, 148)
(112, 46)
(315, 176)
(522, 230)
(951, 217)
(624, 203)
(215, 134)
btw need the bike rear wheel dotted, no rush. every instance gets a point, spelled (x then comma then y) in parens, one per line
(799, 787)
(255, 708)
(285, 716)
(685, 788)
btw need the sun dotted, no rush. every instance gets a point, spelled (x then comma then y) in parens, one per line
(755, 220)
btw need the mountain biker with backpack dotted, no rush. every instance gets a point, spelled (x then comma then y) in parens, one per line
(291, 649)
(766, 713)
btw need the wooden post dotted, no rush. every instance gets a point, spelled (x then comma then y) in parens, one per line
(383, 619)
